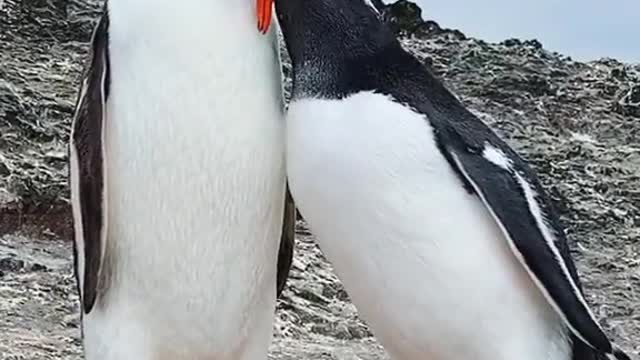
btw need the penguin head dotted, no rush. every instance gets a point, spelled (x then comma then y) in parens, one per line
(329, 41)
(315, 29)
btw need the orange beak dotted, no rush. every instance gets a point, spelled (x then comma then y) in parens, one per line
(264, 14)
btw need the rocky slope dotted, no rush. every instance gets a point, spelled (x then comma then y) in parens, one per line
(578, 124)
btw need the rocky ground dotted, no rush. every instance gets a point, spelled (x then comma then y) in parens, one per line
(577, 123)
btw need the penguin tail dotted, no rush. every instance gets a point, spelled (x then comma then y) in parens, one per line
(618, 354)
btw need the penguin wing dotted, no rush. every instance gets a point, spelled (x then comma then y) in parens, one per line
(287, 241)
(86, 165)
(512, 194)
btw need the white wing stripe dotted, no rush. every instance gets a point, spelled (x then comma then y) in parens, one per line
(519, 256)
(74, 180)
(537, 213)
(104, 212)
(496, 156)
(75, 207)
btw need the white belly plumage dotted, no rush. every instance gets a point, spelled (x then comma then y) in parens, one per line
(424, 262)
(195, 192)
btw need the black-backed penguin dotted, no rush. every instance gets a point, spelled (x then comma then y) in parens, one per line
(178, 186)
(442, 235)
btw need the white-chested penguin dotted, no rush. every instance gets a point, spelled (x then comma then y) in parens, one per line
(178, 186)
(441, 233)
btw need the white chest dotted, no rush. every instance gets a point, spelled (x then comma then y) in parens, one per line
(422, 260)
(195, 130)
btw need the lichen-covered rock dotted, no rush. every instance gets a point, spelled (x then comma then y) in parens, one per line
(629, 103)
(577, 123)
(405, 18)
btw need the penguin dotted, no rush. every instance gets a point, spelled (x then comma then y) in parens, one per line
(183, 228)
(442, 235)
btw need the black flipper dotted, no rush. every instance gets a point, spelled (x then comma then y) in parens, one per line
(513, 195)
(86, 165)
(287, 241)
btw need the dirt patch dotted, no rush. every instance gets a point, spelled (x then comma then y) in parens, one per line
(577, 123)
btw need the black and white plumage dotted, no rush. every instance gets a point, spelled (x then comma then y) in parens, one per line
(182, 242)
(441, 233)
